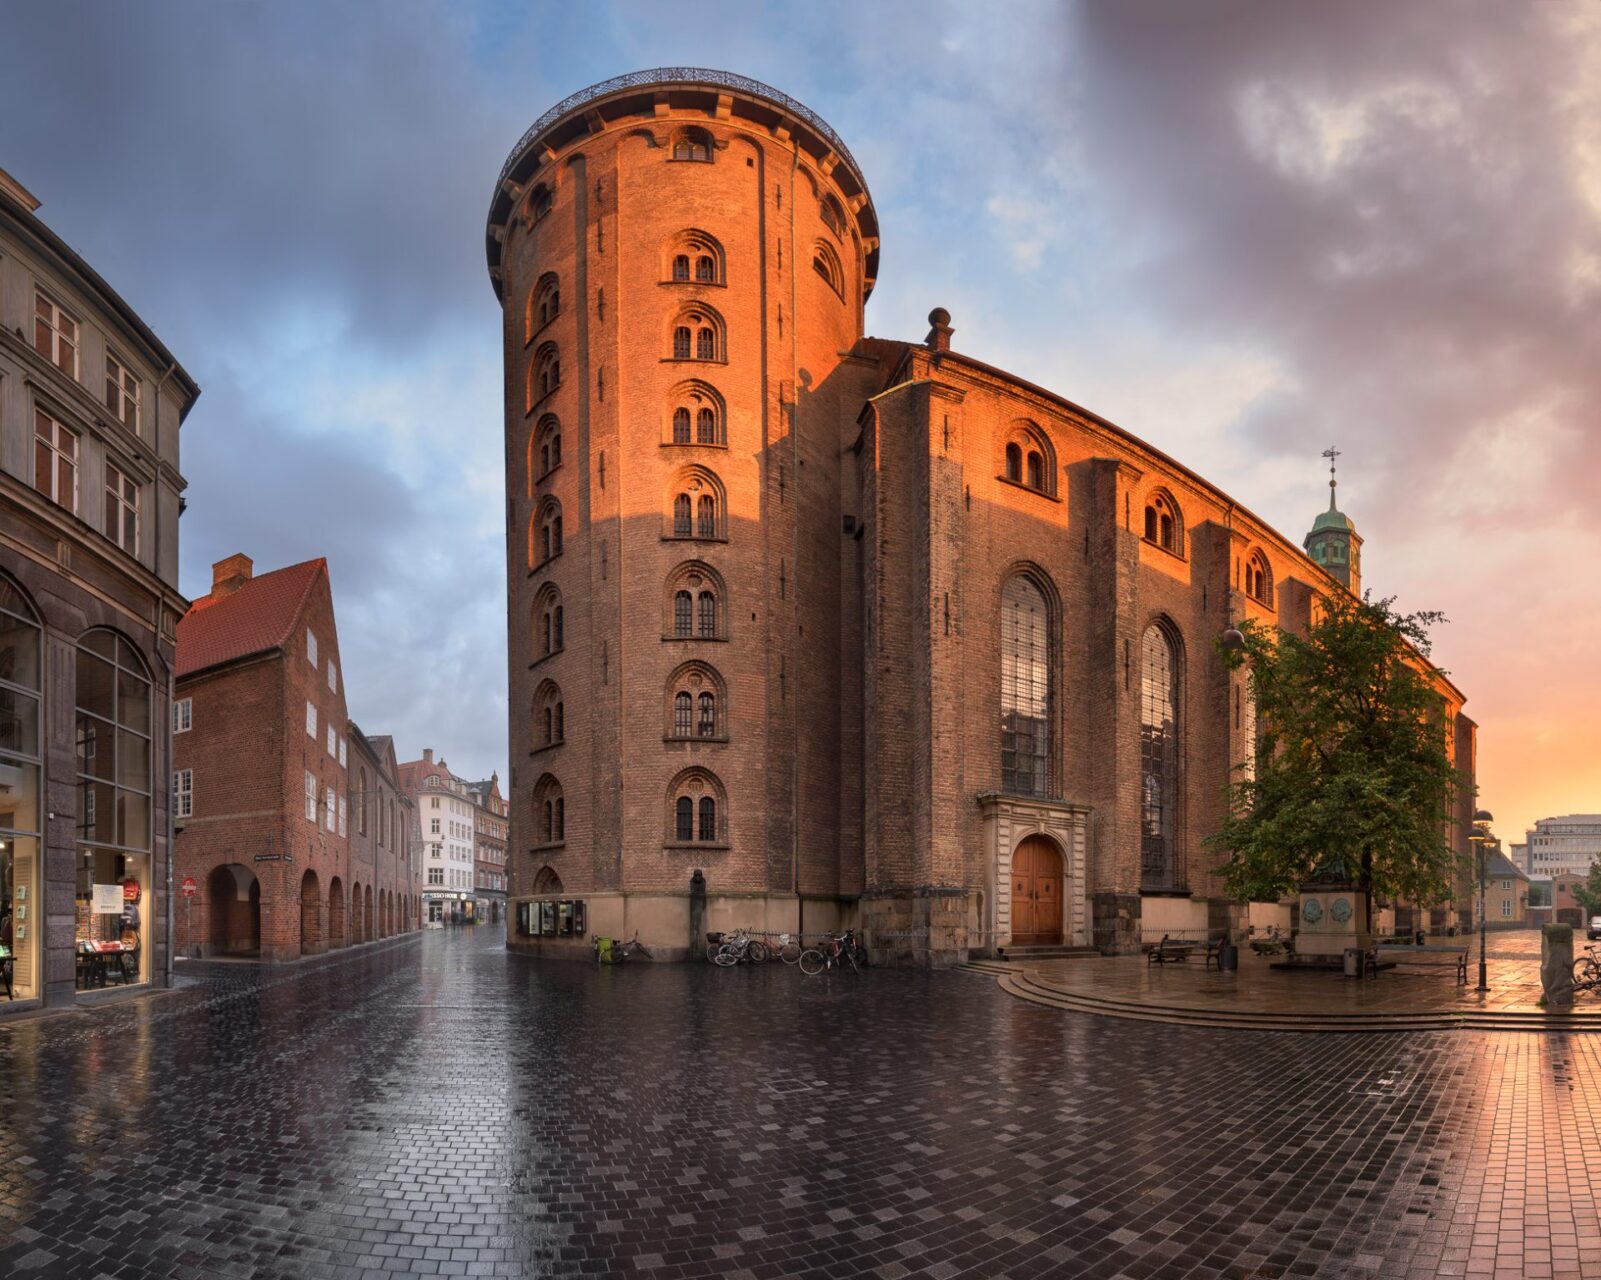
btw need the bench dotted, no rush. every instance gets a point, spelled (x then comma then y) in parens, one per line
(1402, 950)
(1167, 951)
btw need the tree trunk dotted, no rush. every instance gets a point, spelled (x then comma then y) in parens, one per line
(1367, 889)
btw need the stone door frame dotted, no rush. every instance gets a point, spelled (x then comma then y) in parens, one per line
(1008, 821)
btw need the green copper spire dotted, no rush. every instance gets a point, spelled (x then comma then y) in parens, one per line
(1333, 542)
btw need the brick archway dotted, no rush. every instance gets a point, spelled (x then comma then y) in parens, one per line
(312, 939)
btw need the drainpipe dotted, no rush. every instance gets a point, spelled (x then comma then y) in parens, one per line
(172, 687)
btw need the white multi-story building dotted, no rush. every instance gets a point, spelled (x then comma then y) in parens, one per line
(1563, 846)
(445, 811)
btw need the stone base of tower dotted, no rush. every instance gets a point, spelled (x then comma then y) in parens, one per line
(925, 927)
(672, 925)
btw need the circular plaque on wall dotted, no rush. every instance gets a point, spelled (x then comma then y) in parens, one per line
(1311, 911)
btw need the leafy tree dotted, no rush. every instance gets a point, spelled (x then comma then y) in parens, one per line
(1588, 894)
(1353, 773)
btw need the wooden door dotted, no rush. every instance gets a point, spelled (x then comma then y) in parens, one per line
(1036, 893)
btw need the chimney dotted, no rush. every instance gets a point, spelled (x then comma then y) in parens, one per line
(939, 331)
(227, 576)
(427, 755)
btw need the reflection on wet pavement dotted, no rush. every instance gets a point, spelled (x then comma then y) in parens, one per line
(436, 1107)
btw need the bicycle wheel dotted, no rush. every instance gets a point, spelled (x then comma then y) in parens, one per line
(758, 953)
(812, 963)
(859, 955)
(712, 948)
(790, 953)
(1585, 972)
(726, 958)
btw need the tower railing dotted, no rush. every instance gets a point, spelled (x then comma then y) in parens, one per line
(680, 75)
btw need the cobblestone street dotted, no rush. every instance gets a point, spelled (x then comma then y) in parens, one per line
(439, 1108)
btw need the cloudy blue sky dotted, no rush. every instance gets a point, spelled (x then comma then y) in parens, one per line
(1244, 230)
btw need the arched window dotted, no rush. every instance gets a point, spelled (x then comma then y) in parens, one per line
(544, 449)
(21, 767)
(693, 144)
(693, 255)
(691, 605)
(115, 762)
(539, 203)
(1028, 457)
(695, 693)
(1163, 525)
(825, 262)
(550, 810)
(544, 373)
(1025, 688)
(1159, 759)
(698, 333)
(698, 505)
(695, 793)
(696, 414)
(548, 714)
(544, 305)
(1259, 579)
(833, 216)
(547, 622)
(544, 535)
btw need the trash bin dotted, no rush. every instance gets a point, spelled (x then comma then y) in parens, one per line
(1353, 962)
(1419, 938)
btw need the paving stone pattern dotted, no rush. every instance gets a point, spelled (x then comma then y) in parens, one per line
(437, 1107)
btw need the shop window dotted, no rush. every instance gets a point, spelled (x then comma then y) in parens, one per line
(21, 770)
(115, 761)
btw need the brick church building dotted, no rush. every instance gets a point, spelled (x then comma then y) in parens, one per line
(810, 628)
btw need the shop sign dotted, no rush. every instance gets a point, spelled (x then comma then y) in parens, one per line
(106, 900)
(189, 887)
(130, 890)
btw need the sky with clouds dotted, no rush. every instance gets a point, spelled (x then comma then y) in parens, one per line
(1243, 230)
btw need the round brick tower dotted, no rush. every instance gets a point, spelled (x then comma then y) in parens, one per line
(682, 258)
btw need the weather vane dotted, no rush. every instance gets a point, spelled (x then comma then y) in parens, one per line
(1331, 453)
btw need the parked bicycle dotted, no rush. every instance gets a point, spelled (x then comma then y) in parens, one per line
(789, 948)
(835, 952)
(738, 948)
(616, 951)
(1587, 971)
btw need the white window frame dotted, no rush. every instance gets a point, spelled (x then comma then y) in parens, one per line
(65, 330)
(183, 714)
(344, 753)
(333, 676)
(311, 720)
(54, 441)
(183, 793)
(1506, 908)
(333, 742)
(311, 796)
(343, 828)
(311, 646)
(330, 809)
(123, 390)
(117, 499)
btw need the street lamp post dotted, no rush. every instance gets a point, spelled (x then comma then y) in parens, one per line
(1481, 837)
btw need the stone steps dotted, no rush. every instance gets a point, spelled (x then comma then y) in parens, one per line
(1048, 953)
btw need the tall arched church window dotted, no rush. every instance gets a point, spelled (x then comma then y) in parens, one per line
(681, 266)
(707, 606)
(684, 824)
(1259, 579)
(1036, 471)
(682, 339)
(1025, 688)
(1014, 463)
(833, 216)
(681, 425)
(708, 819)
(706, 426)
(825, 262)
(1159, 760)
(1163, 524)
(705, 344)
(706, 516)
(683, 614)
(706, 724)
(683, 715)
(682, 526)
(705, 269)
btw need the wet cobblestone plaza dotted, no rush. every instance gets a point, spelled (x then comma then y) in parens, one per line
(437, 1107)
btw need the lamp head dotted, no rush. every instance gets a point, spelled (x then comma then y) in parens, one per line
(1233, 639)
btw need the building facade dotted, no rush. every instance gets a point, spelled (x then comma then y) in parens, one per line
(382, 854)
(263, 776)
(445, 812)
(491, 821)
(91, 408)
(1563, 846)
(811, 628)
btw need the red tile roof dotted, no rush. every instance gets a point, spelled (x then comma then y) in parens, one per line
(259, 616)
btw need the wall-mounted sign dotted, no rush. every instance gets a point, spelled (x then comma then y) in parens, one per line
(189, 887)
(275, 857)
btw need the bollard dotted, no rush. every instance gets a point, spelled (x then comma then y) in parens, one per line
(1556, 964)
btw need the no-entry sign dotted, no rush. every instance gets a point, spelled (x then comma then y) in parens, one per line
(189, 887)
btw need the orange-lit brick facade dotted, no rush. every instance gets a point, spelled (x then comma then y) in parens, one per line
(759, 571)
